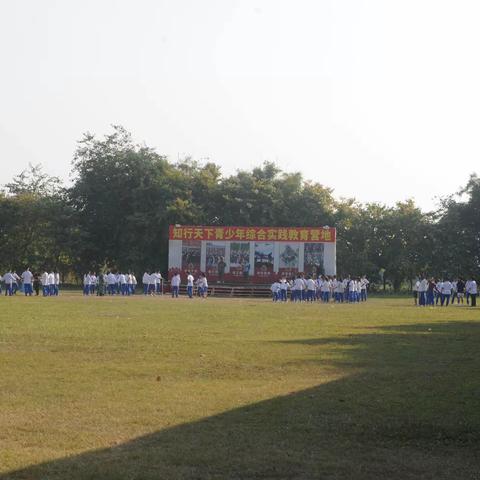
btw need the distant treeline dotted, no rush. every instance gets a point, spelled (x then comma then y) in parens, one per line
(123, 197)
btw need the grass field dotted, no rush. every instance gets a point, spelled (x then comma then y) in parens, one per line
(151, 388)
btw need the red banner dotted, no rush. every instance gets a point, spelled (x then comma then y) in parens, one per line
(254, 234)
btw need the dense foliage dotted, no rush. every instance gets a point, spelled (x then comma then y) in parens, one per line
(124, 196)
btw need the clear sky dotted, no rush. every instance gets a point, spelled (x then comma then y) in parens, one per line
(378, 99)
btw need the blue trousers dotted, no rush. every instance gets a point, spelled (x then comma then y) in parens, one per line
(190, 291)
(27, 288)
(174, 292)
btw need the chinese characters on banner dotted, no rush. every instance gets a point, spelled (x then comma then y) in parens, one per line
(254, 234)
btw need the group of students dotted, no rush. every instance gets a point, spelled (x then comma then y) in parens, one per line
(431, 292)
(29, 282)
(201, 283)
(109, 283)
(323, 288)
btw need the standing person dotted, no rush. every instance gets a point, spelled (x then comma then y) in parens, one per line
(283, 289)
(175, 284)
(9, 280)
(311, 288)
(204, 286)
(363, 288)
(36, 284)
(438, 291)
(134, 283)
(51, 284)
(431, 288)
(158, 283)
(221, 265)
(57, 283)
(44, 281)
(446, 292)
(27, 278)
(275, 287)
(473, 291)
(423, 292)
(189, 285)
(100, 285)
(246, 269)
(86, 284)
(145, 282)
(416, 285)
(460, 290)
(123, 284)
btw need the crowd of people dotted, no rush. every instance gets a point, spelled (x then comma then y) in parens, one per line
(301, 288)
(431, 292)
(323, 288)
(47, 282)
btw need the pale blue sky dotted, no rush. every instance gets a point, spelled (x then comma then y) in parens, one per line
(378, 99)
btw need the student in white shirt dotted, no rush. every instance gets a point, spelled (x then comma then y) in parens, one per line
(311, 288)
(274, 288)
(86, 284)
(189, 285)
(44, 282)
(134, 283)
(416, 285)
(325, 290)
(363, 288)
(338, 291)
(202, 285)
(283, 289)
(123, 283)
(57, 283)
(297, 289)
(27, 278)
(145, 282)
(9, 280)
(175, 284)
(158, 283)
(446, 291)
(473, 291)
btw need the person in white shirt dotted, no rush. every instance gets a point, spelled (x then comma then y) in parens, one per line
(175, 284)
(134, 283)
(93, 283)
(202, 285)
(415, 286)
(27, 278)
(151, 283)
(189, 285)
(283, 289)
(297, 289)
(311, 287)
(158, 283)
(274, 288)
(325, 290)
(446, 291)
(422, 292)
(338, 291)
(111, 283)
(9, 280)
(57, 283)
(363, 288)
(123, 283)
(473, 292)
(51, 284)
(438, 292)
(86, 284)
(44, 282)
(145, 282)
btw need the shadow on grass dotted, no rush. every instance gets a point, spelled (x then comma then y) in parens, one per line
(409, 410)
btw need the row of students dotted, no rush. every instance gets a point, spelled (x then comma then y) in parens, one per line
(110, 283)
(323, 288)
(30, 282)
(430, 292)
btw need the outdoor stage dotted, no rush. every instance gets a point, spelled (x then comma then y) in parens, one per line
(251, 255)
